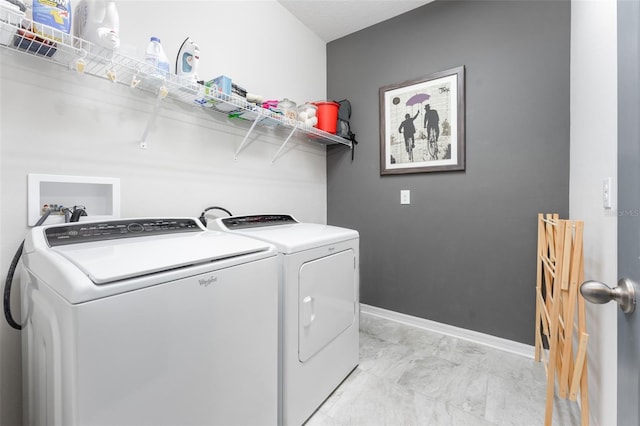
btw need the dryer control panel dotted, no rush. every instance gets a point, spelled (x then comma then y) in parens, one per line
(254, 221)
(82, 232)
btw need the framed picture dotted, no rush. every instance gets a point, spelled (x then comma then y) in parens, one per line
(422, 124)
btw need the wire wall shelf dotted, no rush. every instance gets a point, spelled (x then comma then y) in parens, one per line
(77, 55)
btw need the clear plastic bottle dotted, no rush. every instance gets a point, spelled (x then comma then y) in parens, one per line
(156, 57)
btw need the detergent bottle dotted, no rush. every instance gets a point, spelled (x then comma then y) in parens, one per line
(54, 14)
(97, 21)
(187, 60)
(156, 57)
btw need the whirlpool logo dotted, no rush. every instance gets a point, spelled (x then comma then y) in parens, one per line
(206, 282)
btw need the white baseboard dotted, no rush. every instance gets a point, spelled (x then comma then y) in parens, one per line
(506, 345)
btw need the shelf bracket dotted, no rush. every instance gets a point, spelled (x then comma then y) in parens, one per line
(277, 155)
(245, 142)
(162, 93)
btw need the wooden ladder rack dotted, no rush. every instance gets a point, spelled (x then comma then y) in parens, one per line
(560, 270)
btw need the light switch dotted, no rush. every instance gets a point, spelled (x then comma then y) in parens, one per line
(606, 193)
(405, 196)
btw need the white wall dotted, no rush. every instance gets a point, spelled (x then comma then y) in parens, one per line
(55, 121)
(594, 157)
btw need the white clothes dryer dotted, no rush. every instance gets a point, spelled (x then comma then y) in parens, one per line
(148, 322)
(319, 287)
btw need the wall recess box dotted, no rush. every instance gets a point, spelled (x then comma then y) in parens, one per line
(99, 195)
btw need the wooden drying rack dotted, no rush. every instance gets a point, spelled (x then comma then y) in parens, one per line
(560, 270)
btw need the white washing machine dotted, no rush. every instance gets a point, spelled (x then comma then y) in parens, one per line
(319, 273)
(148, 322)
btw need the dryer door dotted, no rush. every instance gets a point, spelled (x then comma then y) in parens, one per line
(327, 301)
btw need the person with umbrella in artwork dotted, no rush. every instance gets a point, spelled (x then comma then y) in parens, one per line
(407, 124)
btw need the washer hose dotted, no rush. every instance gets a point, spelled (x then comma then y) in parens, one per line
(203, 220)
(77, 212)
(6, 300)
(7, 289)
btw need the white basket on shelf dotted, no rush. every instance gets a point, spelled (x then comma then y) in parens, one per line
(11, 19)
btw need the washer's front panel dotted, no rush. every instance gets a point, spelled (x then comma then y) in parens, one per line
(201, 350)
(327, 301)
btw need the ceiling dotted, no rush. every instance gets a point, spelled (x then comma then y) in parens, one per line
(331, 20)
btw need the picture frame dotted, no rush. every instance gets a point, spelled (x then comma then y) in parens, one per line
(435, 143)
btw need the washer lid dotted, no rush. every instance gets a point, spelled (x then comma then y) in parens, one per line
(297, 237)
(114, 260)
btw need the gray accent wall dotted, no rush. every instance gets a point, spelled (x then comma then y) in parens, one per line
(463, 252)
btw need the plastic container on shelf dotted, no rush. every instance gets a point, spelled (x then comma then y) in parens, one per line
(156, 57)
(327, 116)
(289, 110)
(307, 115)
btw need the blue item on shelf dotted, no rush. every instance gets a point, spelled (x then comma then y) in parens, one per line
(223, 83)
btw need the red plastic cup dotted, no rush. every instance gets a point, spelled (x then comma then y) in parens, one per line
(327, 116)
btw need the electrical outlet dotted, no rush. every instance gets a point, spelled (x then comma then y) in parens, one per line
(405, 196)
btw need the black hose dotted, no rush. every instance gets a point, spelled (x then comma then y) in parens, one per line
(7, 289)
(6, 299)
(203, 220)
(77, 212)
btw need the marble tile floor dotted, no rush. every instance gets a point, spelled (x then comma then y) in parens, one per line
(412, 377)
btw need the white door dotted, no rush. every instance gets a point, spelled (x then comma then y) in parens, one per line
(627, 291)
(628, 206)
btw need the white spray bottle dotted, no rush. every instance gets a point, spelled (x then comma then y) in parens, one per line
(97, 21)
(187, 60)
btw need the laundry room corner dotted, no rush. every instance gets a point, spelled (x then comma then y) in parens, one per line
(461, 251)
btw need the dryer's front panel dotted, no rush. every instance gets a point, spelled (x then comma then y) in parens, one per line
(327, 301)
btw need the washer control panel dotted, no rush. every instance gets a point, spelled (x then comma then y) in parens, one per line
(244, 222)
(114, 229)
